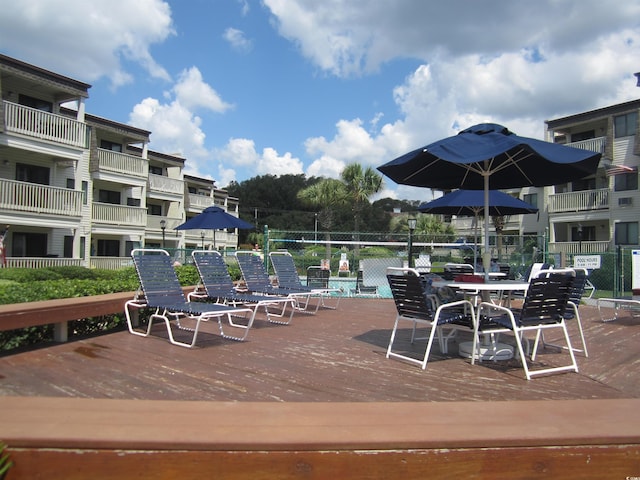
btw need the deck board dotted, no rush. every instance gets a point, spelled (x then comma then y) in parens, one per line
(334, 356)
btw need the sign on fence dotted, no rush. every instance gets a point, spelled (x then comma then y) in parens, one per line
(588, 262)
(635, 269)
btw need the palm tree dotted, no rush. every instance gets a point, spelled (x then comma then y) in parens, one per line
(360, 185)
(326, 195)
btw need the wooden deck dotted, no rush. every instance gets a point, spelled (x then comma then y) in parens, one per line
(334, 356)
(317, 399)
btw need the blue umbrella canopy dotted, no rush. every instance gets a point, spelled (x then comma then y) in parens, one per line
(213, 218)
(471, 203)
(489, 156)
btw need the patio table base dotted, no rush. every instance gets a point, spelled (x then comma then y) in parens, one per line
(501, 351)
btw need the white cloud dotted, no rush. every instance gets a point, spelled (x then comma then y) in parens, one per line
(193, 93)
(237, 40)
(241, 152)
(87, 43)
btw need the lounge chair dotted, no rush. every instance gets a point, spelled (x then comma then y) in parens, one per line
(544, 308)
(362, 290)
(160, 290)
(216, 284)
(418, 305)
(256, 278)
(287, 274)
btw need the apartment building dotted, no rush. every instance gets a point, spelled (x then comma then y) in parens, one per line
(589, 215)
(78, 189)
(600, 212)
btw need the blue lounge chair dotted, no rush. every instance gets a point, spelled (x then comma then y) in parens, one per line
(287, 274)
(160, 290)
(216, 284)
(257, 280)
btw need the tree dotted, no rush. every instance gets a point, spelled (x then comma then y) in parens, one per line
(360, 185)
(327, 196)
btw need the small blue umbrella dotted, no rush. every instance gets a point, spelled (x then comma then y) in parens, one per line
(470, 203)
(214, 218)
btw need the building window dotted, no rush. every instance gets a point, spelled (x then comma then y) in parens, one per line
(32, 174)
(626, 233)
(29, 244)
(109, 196)
(68, 247)
(625, 181)
(531, 199)
(133, 202)
(108, 248)
(155, 170)
(71, 183)
(625, 125)
(85, 192)
(36, 103)
(154, 209)
(114, 147)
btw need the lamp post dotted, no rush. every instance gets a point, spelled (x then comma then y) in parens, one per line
(202, 237)
(580, 237)
(163, 226)
(412, 226)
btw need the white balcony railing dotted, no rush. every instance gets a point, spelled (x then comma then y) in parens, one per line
(116, 162)
(106, 213)
(43, 262)
(44, 125)
(110, 263)
(593, 144)
(159, 183)
(33, 197)
(200, 201)
(579, 201)
(585, 247)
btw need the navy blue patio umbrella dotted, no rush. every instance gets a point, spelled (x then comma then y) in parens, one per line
(214, 218)
(490, 157)
(470, 203)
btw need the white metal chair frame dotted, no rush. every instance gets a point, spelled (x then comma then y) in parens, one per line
(160, 290)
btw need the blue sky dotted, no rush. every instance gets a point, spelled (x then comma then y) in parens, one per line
(244, 88)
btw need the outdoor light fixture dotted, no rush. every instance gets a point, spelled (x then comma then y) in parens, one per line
(412, 226)
(580, 237)
(163, 226)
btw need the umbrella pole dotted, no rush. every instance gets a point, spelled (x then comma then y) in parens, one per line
(487, 254)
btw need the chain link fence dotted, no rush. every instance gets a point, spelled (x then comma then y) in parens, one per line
(346, 253)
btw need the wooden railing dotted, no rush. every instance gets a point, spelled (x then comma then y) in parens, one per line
(579, 201)
(110, 161)
(47, 126)
(119, 214)
(43, 262)
(33, 197)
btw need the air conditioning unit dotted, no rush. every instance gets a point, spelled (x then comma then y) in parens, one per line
(625, 202)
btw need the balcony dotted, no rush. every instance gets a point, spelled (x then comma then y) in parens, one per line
(121, 163)
(584, 247)
(162, 184)
(199, 202)
(106, 213)
(35, 198)
(44, 125)
(582, 201)
(593, 144)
